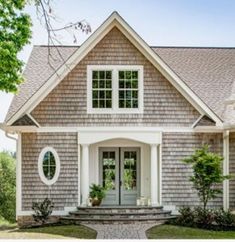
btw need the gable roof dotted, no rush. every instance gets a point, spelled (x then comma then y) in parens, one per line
(38, 85)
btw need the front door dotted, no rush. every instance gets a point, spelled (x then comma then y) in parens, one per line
(119, 174)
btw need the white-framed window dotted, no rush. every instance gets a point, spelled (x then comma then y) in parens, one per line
(48, 165)
(114, 89)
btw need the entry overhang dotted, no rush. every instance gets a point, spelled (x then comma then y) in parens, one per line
(147, 137)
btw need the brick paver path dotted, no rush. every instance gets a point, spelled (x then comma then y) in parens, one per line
(122, 231)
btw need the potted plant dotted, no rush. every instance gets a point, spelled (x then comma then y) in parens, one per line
(97, 193)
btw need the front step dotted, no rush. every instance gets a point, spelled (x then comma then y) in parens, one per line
(120, 214)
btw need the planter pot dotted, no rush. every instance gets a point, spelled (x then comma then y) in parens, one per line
(95, 202)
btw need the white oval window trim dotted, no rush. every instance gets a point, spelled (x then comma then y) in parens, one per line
(40, 166)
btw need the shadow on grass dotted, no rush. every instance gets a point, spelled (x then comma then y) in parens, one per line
(72, 231)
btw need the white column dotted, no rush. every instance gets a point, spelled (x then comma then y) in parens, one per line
(85, 174)
(226, 170)
(18, 176)
(154, 175)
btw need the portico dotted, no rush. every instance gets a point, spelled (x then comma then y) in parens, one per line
(141, 147)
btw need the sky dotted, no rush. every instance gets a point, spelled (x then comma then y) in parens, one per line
(158, 22)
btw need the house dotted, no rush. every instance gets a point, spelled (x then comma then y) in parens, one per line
(118, 112)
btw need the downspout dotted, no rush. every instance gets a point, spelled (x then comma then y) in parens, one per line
(226, 169)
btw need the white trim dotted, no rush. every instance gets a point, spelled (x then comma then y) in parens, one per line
(115, 68)
(40, 166)
(19, 175)
(197, 120)
(160, 174)
(27, 129)
(115, 20)
(226, 170)
(147, 137)
(79, 171)
(33, 119)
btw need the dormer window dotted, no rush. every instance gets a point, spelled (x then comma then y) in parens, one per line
(115, 89)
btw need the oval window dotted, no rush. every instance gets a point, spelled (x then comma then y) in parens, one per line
(48, 165)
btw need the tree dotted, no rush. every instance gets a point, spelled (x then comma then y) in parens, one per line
(14, 35)
(7, 186)
(207, 173)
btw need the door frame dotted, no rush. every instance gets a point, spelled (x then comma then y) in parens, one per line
(119, 168)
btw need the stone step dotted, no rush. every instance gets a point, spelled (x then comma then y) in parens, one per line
(119, 213)
(72, 220)
(119, 209)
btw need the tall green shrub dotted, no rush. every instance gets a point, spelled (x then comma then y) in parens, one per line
(207, 173)
(7, 186)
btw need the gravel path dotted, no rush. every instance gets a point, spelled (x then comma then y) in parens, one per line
(122, 231)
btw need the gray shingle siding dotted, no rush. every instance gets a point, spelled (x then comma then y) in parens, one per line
(65, 191)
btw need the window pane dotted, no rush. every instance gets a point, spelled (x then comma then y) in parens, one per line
(121, 75)
(109, 94)
(101, 103)
(101, 94)
(102, 84)
(121, 94)
(95, 75)
(121, 103)
(134, 75)
(128, 84)
(108, 75)
(134, 94)
(95, 95)
(108, 103)
(108, 84)
(95, 103)
(128, 103)
(49, 165)
(134, 83)
(121, 84)
(128, 75)
(95, 84)
(135, 103)
(101, 74)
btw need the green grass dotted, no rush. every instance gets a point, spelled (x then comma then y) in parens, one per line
(179, 232)
(50, 232)
(4, 224)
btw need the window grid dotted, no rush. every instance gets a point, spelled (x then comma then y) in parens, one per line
(49, 165)
(128, 89)
(101, 89)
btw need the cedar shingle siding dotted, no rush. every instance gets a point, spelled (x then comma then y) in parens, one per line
(163, 104)
(176, 187)
(64, 192)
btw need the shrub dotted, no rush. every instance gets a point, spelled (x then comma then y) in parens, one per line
(7, 187)
(186, 217)
(224, 219)
(204, 218)
(42, 210)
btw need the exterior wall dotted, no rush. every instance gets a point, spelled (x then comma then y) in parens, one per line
(65, 191)
(176, 187)
(66, 105)
(232, 170)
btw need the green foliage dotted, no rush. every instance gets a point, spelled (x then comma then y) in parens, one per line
(14, 35)
(97, 191)
(7, 187)
(224, 219)
(42, 210)
(204, 218)
(207, 173)
(186, 217)
(216, 219)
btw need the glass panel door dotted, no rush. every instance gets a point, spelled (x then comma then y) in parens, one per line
(109, 175)
(130, 158)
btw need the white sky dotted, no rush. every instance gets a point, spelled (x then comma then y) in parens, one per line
(158, 22)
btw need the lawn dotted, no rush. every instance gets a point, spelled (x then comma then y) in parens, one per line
(179, 232)
(10, 231)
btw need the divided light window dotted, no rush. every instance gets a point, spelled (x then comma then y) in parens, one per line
(115, 89)
(101, 89)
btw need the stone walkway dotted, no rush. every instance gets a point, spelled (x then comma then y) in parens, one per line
(122, 231)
